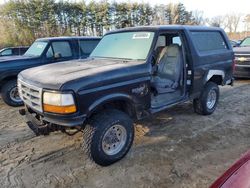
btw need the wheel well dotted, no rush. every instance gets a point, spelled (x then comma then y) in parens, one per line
(3, 81)
(122, 105)
(216, 79)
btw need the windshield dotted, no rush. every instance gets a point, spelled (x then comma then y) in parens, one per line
(36, 49)
(125, 45)
(245, 42)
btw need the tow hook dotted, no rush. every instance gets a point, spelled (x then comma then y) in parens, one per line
(22, 112)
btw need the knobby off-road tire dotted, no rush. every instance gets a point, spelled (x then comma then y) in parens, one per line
(108, 137)
(208, 100)
(10, 94)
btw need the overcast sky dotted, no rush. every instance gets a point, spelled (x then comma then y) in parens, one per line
(209, 7)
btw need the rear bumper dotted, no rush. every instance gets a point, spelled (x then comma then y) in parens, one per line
(242, 71)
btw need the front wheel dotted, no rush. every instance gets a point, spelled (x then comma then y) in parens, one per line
(208, 100)
(10, 94)
(108, 137)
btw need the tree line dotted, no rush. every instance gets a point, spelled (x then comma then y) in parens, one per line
(22, 21)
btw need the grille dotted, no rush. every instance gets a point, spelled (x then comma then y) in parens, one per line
(31, 95)
(243, 59)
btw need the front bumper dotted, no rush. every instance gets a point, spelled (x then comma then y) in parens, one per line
(242, 71)
(43, 123)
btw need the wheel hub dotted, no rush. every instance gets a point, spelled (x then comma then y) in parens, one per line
(14, 95)
(211, 99)
(114, 140)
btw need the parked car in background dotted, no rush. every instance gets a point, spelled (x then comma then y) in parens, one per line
(42, 51)
(132, 73)
(13, 51)
(237, 176)
(242, 59)
(239, 41)
(234, 43)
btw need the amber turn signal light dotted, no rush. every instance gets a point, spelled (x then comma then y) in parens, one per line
(59, 109)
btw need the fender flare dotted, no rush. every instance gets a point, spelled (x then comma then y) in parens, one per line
(109, 98)
(8, 75)
(212, 73)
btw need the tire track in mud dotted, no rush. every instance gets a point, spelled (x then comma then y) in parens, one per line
(17, 156)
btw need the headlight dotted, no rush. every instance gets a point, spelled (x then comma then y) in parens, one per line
(58, 103)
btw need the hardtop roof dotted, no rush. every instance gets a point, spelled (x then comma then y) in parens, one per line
(167, 27)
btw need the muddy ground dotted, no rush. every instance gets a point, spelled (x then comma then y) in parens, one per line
(175, 148)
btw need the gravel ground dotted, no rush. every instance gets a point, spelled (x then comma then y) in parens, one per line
(174, 148)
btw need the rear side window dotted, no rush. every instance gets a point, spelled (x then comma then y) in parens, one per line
(63, 48)
(87, 46)
(208, 41)
(7, 52)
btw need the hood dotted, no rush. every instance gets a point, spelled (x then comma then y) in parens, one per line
(84, 74)
(244, 49)
(5, 59)
(237, 175)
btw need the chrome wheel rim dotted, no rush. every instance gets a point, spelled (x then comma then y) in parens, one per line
(14, 95)
(211, 99)
(114, 140)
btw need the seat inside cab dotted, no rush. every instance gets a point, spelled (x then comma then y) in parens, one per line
(167, 81)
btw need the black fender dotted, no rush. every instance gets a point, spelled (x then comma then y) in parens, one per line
(6, 75)
(110, 98)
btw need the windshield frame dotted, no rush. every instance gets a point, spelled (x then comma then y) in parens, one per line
(127, 59)
(44, 50)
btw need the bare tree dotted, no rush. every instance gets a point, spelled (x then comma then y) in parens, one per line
(198, 17)
(159, 16)
(247, 22)
(232, 22)
(217, 21)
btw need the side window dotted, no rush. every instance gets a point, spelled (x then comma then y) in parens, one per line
(87, 46)
(7, 52)
(63, 48)
(208, 41)
(176, 40)
(49, 53)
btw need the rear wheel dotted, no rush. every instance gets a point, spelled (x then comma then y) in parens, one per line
(208, 100)
(108, 137)
(10, 94)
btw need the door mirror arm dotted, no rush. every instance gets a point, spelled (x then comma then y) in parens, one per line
(154, 63)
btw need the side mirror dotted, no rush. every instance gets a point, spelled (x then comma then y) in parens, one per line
(57, 55)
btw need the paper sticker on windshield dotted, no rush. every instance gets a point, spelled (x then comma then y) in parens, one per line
(39, 46)
(141, 36)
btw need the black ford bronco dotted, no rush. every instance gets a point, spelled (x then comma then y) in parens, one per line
(131, 74)
(43, 51)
